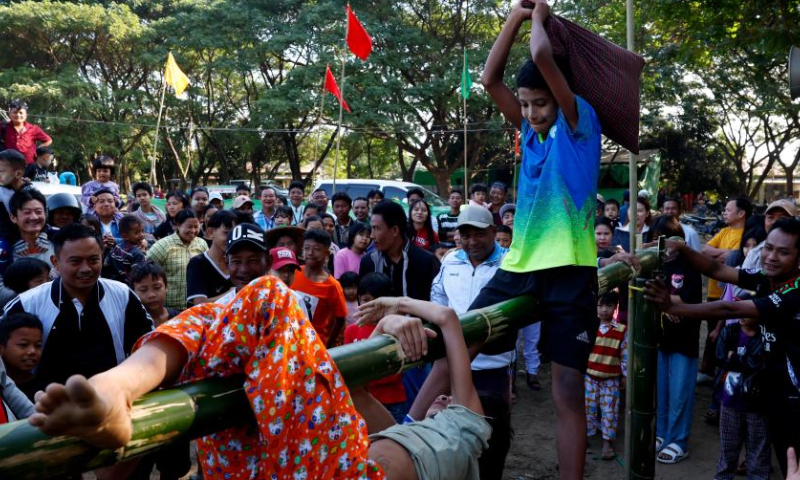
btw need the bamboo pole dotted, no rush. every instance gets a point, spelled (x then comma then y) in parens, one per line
(212, 405)
(642, 385)
(158, 125)
(633, 191)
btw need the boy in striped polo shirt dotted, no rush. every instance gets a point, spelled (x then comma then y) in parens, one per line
(605, 374)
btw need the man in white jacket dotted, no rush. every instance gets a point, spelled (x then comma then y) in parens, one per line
(463, 274)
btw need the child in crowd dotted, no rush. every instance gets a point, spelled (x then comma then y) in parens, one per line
(12, 167)
(151, 215)
(128, 252)
(322, 293)
(208, 212)
(605, 374)
(20, 351)
(199, 199)
(149, 281)
(349, 283)
(284, 264)
(388, 391)
(507, 213)
(207, 275)
(39, 170)
(90, 221)
(611, 211)
(743, 419)
(311, 210)
(349, 259)
(283, 216)
(26, 273)
(503, 235)
(290, 237)
(103, 172)
(477, 195)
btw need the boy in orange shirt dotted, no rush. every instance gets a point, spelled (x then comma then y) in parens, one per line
(322, 294)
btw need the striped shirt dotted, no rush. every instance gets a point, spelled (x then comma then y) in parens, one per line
(173, 256)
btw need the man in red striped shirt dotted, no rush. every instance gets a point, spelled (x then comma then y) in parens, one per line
(605, 374)
(21, 135)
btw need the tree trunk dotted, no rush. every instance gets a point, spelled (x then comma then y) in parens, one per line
(369, 158)
(442, 178)
(790, 182)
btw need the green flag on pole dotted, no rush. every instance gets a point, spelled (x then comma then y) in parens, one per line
(466, 79)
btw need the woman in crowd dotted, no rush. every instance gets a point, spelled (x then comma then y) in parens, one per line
(643, 220)
(173, 253)
(420, 228)
(349, 259)
(176, 201)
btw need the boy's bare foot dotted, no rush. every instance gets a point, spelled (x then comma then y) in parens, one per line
(95, 410)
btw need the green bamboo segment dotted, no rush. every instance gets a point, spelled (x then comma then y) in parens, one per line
(642, 378)
(198, 409)
(159, 418)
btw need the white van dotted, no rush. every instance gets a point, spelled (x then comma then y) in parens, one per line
(391, 189)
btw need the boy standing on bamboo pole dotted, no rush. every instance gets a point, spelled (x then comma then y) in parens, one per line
(553, 255)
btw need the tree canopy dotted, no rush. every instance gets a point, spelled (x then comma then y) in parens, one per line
(714, 95)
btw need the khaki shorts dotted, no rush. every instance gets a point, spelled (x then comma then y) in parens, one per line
(444, 447)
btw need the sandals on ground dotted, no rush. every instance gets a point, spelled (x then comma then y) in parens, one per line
(671, 454)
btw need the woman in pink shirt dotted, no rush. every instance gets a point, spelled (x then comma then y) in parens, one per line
(349, 259)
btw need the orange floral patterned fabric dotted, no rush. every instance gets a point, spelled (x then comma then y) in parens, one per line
(307, 426)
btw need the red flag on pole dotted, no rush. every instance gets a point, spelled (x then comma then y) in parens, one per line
(358, 39)
(331, 86)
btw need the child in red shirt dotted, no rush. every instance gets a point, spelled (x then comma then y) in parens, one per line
(389, 390)
(321, 293)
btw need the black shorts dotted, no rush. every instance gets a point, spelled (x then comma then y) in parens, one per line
(567, 309)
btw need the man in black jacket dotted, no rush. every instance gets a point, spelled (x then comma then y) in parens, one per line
(410, 268)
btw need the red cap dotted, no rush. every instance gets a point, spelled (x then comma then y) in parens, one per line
(282, 256)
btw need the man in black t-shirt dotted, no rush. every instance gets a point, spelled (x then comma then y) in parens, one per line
(775, 304)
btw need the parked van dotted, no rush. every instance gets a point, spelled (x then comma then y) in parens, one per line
(391, 189)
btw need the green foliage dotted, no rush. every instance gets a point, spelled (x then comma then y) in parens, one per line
(713, 92)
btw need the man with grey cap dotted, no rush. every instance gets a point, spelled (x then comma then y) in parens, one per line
(783, 208)
(463, 274)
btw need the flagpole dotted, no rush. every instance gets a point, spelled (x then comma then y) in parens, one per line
(464, 96)
(158, 125)
(319, 117)
(339, 127)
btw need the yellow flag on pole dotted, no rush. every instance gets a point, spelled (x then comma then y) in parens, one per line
(174, 76)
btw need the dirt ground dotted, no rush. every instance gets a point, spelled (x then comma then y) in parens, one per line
(533, 454)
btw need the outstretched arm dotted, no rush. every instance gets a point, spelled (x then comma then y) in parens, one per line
(656, 291)
(542, 54)
(492, 78)
(704, 264)
(458, 358)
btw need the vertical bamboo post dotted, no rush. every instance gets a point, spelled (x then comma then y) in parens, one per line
(632, 205)
(643, 381)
